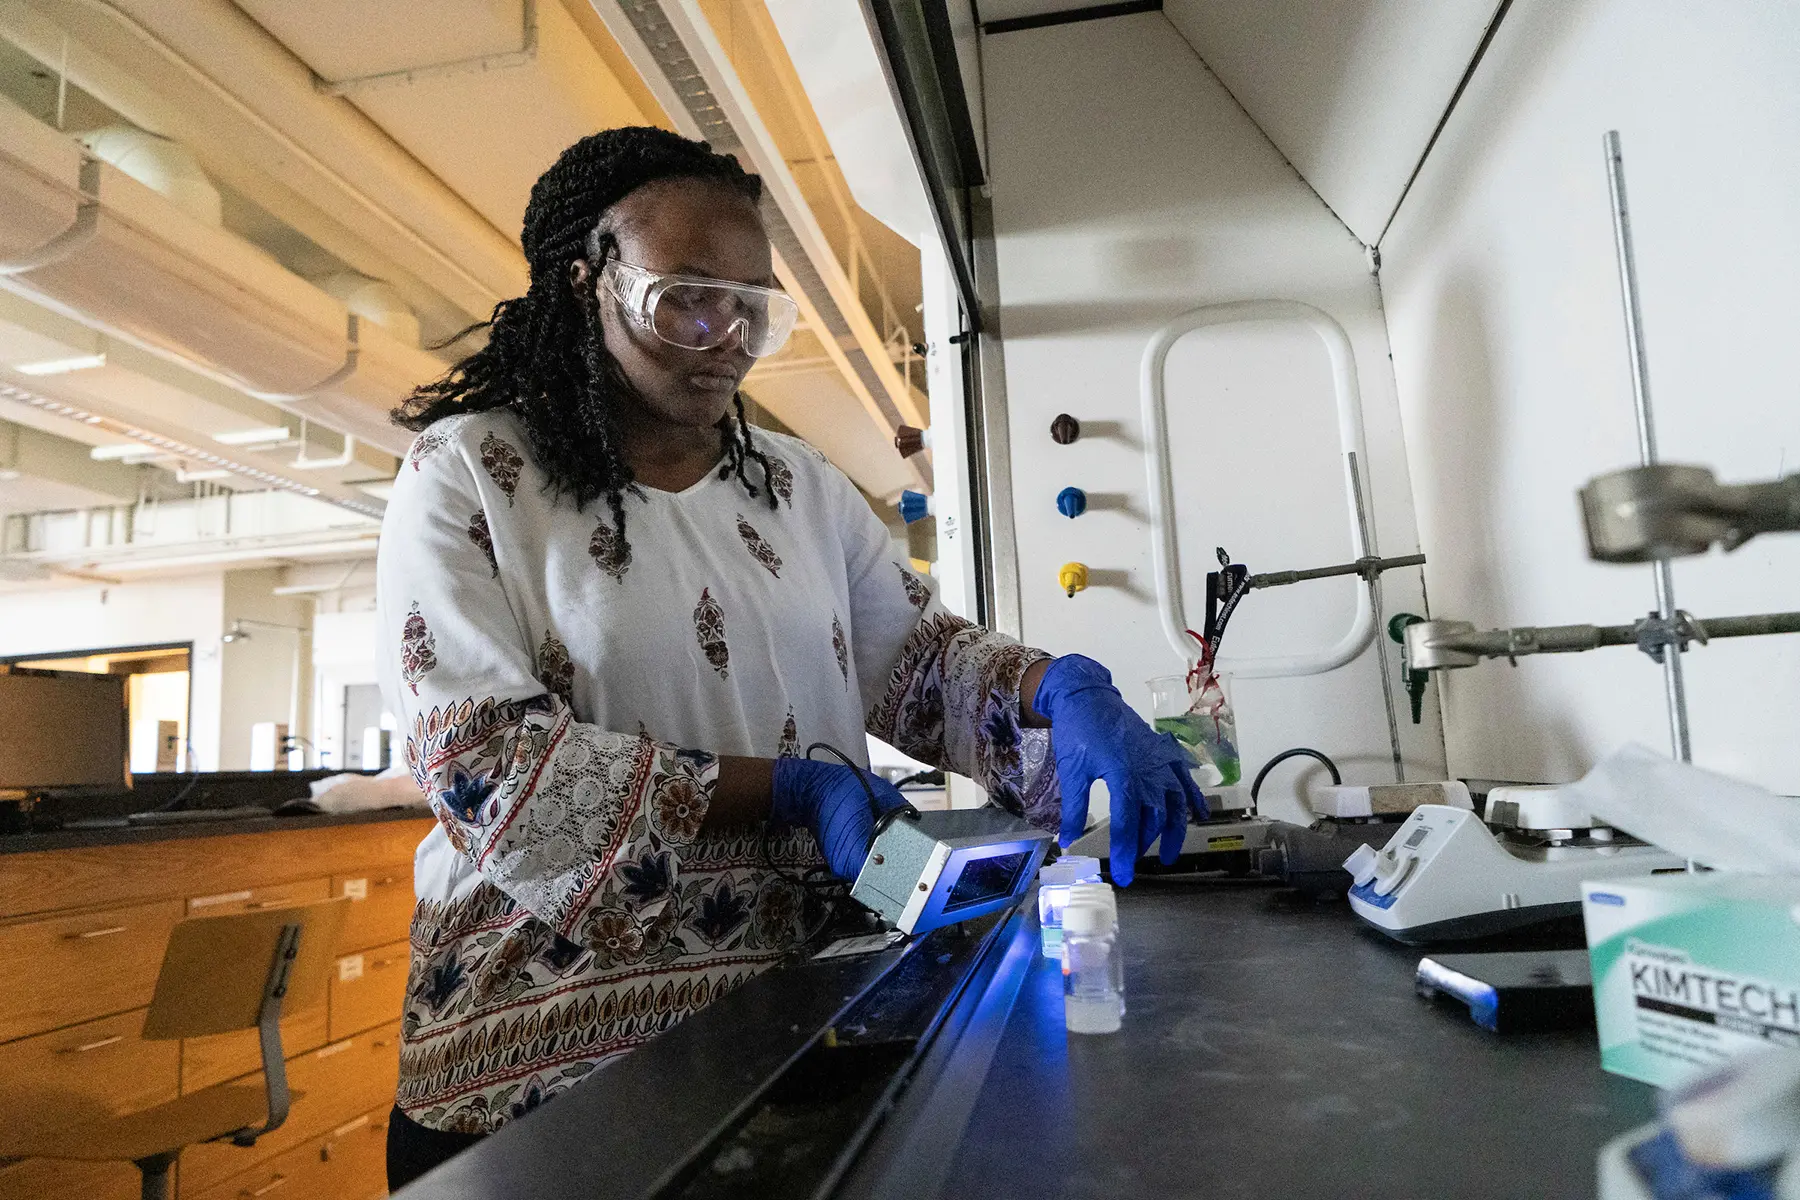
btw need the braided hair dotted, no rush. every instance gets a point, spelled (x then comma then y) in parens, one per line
(546, 359)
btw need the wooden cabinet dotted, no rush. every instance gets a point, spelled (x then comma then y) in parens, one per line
(41, 1179)
(339, 1080)
(381, 901)
(209, 1060)
(82, 934)
(252, 899)
(349, 1163)
(98, 1067)
(369, 988)
(62, 970)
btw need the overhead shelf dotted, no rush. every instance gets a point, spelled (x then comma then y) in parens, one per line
(155, 275)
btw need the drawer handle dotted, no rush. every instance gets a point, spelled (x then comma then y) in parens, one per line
(94, 933)
(86, 1046)
(266, 1188)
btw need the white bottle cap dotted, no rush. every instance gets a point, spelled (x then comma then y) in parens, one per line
(1086, 918)
(1094, 893)
(1745, 1115)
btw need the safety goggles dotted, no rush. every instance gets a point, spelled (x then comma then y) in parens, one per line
(696, 313)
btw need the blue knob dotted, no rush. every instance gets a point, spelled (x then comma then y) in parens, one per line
(1071, 502)
(914, 506)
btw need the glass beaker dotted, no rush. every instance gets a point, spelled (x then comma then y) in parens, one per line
(1201, 720)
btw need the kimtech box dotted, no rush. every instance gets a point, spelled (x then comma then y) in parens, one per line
(1692, 970)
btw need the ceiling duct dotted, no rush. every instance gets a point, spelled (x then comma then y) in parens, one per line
(90, 239)
(674, 49)
(165, 167)
(255, 104)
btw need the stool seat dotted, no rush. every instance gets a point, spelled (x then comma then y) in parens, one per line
(200, 1117)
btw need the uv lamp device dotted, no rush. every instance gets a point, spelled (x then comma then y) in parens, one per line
(1445, 876)
(930, 869)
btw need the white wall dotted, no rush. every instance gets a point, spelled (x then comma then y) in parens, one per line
(1350, 90)
(1128, 187)
(268, 675)
(1503, 308)
(233, 685)
(92, 617)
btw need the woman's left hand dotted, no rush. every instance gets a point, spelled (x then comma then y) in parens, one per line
(1094, 734)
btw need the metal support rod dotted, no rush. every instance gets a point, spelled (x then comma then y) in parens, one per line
(1374, 583)
(1362, 566)
(1674, 687)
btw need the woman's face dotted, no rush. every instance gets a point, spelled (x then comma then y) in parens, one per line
(682, 227)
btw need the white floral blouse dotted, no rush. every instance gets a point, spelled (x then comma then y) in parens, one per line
(564, 697)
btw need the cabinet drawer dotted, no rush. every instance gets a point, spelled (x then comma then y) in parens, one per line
(76, 968)
(47, 1179)
(63, 1078)
(341, 1081)
(349, 1163)
(277, 895)
(209, 1060)
(357, 1154)
(296, 1174)
(369, 988)
(381, 906)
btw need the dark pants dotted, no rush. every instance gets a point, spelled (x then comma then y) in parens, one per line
(413, 1149)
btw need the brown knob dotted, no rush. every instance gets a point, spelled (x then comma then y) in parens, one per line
(909, 440)
(1064, 429)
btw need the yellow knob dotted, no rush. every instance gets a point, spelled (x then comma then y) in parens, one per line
(1073, 577)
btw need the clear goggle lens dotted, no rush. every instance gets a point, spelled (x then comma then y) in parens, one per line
(702, 314)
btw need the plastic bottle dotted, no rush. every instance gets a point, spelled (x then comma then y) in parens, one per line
(1054, 882)
(1093, 971)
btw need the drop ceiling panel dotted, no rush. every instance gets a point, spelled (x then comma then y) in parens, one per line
(393, 36)
(1349, 90)
(487, 134)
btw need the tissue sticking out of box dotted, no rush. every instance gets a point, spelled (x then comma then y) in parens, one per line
(1713, 819)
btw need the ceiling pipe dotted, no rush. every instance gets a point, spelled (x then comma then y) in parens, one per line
(258, 101)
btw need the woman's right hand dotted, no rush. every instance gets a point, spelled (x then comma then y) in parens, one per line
(831, 800)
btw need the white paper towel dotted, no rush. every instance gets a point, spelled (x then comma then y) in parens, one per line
(1713, 819)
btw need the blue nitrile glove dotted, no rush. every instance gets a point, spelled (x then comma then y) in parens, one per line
(1095, 735)
(828, 799)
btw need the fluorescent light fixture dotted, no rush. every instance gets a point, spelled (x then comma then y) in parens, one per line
(159, 445)
(125, 451)
(185, 476)
(62, 366)
(254, 437)
(8, 475)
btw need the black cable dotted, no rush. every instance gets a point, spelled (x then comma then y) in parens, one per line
(832, 890)
(193, 771)
(1296, 752)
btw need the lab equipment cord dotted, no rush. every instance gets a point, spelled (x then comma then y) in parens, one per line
(831, 891)
(1296, 752)
(193, 772)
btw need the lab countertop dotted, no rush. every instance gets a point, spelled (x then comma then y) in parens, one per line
(1275, 1047)
(126, 835)
(1272, 1047)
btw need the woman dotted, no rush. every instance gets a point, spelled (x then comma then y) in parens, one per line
(612, 614)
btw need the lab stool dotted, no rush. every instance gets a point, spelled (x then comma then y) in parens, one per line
(219, 975)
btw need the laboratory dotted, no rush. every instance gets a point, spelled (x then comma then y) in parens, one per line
(689, 599)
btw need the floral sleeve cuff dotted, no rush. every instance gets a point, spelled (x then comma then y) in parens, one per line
(547, 807)
(952, 700)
